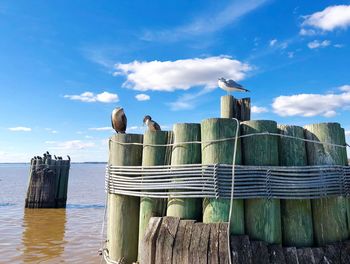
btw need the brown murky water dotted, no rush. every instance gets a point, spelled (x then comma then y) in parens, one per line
(71, 235)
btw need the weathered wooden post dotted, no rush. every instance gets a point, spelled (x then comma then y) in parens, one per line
(217, 210)
(151, 156)
(297, 229)
(123, 211)
(235, 108)
(329, 214)
(190, 153)
(262, 216)
(62, 189)
(44, 183)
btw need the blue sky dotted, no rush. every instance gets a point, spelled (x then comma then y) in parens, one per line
(64, 66)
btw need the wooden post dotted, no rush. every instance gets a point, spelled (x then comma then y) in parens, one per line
(329, 214)
(233, 108)
(217, 210)
(123, 211)
(262, 216)
(189, 208)
(152, 155)
(297, 229)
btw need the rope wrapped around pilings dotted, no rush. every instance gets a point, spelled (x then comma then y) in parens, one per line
(214, 181)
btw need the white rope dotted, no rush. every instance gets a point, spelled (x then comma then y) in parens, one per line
(232, 191)
(230, 138)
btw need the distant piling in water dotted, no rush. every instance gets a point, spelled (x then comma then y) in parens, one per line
(48, 182)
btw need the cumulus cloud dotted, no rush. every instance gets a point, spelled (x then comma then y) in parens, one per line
(101, 128)
(89, 97)
(318, 44)
(347, 133)
(142, 97)
(180, 74)
(330, 18)
(309, 105)
(20, 129)
(258, 109)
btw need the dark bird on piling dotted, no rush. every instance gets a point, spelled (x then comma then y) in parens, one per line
(230, 86)
(68, 157)
(119, 120)
(47, 153)
(60, 158)
(55, 157)
(152, 125)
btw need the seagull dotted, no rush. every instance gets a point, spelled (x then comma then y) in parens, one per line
(230, 86)
(119, 120)
(152, 125)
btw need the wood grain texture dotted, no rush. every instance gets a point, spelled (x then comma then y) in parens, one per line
(262, 216)
(297, 227)
(182, 242)
(152, 156)
(123, 211)
(165, 240)
(188, 208)
(329, 214)
(217, 210)
(147, 248)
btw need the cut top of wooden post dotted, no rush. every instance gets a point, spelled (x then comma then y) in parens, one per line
(235, 108)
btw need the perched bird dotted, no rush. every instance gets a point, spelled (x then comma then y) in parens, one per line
(119, 120)
(152, 125)
(230, 86)
(68, 157)
(55, 157)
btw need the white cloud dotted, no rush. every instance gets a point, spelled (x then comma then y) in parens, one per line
(51, 130)
(318, 44)
(347, 133)
(312, 104)
(206, 23)
(338, 46)
(74, 145)
(307, 32)
(20, 129)
(290, 54)
(101, 128)
(330, 18)
(258, 109)
(89, 97)
(345, 88)
(273, 42)
(180, 74)
(142, 97)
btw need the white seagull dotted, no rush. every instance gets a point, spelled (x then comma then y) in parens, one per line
(230, 86)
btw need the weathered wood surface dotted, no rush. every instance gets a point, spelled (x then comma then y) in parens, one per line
(262, 216)
(188, 208)
(123, 211)
(147, 250)
(297, 228)
(217, 210)
(152, 155)
(276, 254)
(45, 189)
(241, 250)
(165, 240)
(42, 189)
(329, 214)
(235, 108)
(182, 242)
(260, 252)
(291, 255)
(173, 241)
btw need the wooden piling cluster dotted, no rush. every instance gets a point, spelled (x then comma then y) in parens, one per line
(48, 182)
(298, 223)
